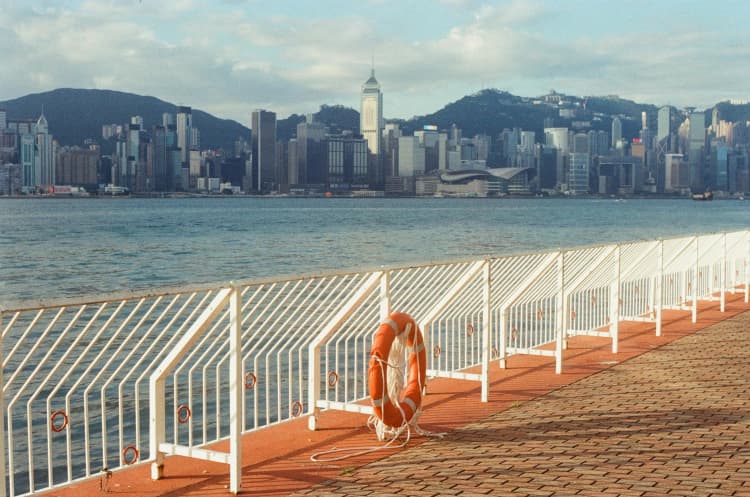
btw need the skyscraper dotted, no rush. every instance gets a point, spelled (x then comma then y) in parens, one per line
(616, 131)
(371, 114)
(665, 123)
(45, 153)
(184, 131)
(696, 147)
(263, 140)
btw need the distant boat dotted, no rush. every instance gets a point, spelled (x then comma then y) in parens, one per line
(703, 196)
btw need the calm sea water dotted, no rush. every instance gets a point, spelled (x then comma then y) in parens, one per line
(62, 248)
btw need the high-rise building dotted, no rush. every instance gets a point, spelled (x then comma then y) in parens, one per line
(184, 133)
(158, 159)
(167, 119)
(411, 156)
(3, 119)
(371, 114)
(45, 153)
(263, 139)
(578, 174)
(665, 123)
(557, 138)
(696, 148)
(310, 155)
(616, 131)
(77, 166)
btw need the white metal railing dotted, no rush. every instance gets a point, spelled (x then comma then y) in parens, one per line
(99, 385)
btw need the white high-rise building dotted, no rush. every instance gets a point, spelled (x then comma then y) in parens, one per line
(616, 131)
(45, 154)
(664, 123)
(371, 114)
(557, 138)
(184, 132)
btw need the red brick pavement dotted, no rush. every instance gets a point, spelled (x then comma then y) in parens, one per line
(674, 419)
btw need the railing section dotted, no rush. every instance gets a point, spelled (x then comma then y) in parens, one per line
(97, 386)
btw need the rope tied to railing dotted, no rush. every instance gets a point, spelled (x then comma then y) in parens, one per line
(396, 373)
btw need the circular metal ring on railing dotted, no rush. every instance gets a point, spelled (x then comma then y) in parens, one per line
(297, 409)
(495, 352)
(593, 300)
(469, 329)
(514, 334)
(333, 378)
(540, 314)
(130, 455)
(250, 380)
(573, 315)
(183, 413)
(57, 428)
(436, 351)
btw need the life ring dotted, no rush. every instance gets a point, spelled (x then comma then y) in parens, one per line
(130, 454)
(250, 380)
(333, 378)
(469, 329)
(296, 409)
(57, 428)
(183, 414)
(397, 412)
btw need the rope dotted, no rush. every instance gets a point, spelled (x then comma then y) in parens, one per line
(395, 365)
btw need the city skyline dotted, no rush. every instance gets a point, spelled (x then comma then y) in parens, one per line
(232, 57)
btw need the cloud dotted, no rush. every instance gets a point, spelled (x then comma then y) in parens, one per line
(228, 58)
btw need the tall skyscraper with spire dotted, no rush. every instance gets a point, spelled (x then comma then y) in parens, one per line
(371, 114)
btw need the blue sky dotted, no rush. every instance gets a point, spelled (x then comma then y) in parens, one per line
(229, 57)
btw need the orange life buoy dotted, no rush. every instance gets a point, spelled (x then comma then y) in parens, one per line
(396, 412)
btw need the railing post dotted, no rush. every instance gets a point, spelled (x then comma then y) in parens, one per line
(385, 295)
(695, 278)
(562, 312)
(723, 275)
(503, 349)
(486, 330)
(236, 416)
(157, 432)
(2, 415)
(614, 302)
(659, 286)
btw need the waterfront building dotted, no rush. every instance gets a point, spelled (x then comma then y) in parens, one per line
(45, 153)
(578, 174)
(696, 149)
(718, 171)
(10, 179)
(391, 134)
(77, 166)
(616, 131)
(157, 159)
(311, 154)
(167, 118)
(347, 161)
(195, 139)
(3, 119)
(184, 130)
(263, 143)
(664, 126)
(411, 156)
(558, 138)
(618, 175)
(371, 114)
(676, 176)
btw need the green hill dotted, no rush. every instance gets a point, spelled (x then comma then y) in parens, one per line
(77, 114)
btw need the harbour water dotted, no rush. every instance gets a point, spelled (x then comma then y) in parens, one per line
(71, 248)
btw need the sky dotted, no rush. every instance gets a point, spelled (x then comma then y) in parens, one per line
(229, 57)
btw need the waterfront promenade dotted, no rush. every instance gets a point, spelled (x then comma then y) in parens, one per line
(667, 415)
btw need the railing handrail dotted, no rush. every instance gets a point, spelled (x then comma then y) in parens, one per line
(12, 306)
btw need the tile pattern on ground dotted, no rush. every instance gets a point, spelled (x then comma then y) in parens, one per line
(673, 421)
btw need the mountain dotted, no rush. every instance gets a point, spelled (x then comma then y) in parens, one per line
(336, 117)
(76, 114)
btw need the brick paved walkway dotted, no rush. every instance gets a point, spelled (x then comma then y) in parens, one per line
(673, 421)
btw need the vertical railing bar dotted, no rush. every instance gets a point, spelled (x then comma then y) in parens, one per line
(3, 473)
(723, 277)
(614, 305)
(235, 392)
(659, 287)
(695, 280)
(562, 312)
(486, 329)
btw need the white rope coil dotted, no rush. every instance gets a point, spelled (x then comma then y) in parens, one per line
(396, 376)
